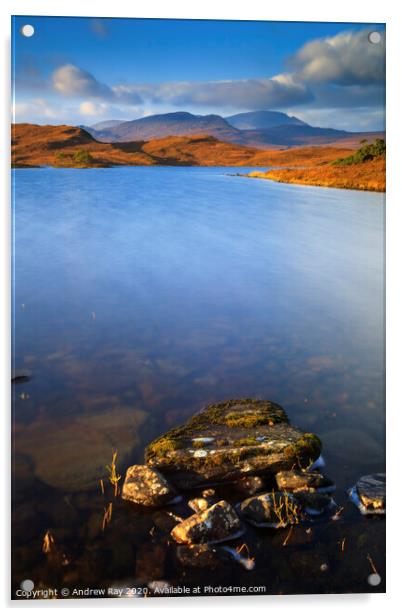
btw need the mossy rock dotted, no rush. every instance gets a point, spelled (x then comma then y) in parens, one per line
(229, 440)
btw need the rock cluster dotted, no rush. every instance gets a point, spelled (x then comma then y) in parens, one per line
(248, 447)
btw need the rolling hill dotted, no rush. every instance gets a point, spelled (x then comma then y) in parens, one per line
(168, 124)
(71, 146)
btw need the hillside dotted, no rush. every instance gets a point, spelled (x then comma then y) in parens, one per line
(261, 129)
(168, 124)
(70, 146)
(364, 169)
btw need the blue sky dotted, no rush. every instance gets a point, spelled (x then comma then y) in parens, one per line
(84, 70)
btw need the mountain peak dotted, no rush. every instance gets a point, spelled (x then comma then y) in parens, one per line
(256, 120)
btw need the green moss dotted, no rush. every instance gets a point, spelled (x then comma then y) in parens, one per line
(250, 452)
(244, 442)
(251, 420)
(220, 458)
(162, 447)
(244, 413)
(197, 445)
(221, 442)
(221, 414)
(306, 449)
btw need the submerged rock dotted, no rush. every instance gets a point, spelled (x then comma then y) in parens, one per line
(230, 440)
(313, 503)
(272, 510)
(302, 481)
(70, 453)
(249, 485)
(146, 486)
(281, 509)
(20, 376)
(217, 523)
(369, 494)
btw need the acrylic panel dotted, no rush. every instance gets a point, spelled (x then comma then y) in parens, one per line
(198, 374)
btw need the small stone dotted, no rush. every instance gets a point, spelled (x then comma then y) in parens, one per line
(208, 493)
(369, 494)
(294, 481)
(249, 485)
(272, 510)
(371, 490)
(217, 523)
(163, 520)
(314, 503)
(146, 486)
(199, 504)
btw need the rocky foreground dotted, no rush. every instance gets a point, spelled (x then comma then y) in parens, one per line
(250, 446)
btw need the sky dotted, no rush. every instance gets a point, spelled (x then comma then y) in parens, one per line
(87, 70)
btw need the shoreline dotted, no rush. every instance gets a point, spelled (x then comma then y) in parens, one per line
(368, 176)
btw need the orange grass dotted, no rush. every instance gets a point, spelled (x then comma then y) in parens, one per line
(58, 146)
(369, 175)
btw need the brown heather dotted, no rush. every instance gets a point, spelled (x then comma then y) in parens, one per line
(71, 146)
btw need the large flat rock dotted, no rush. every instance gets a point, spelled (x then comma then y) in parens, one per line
(229, 440)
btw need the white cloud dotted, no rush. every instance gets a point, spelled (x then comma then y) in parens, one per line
(89, 108)
(71, 80)
(345, 59)
(27, 111)
(356, 119)
(243, 93)
(328, 76)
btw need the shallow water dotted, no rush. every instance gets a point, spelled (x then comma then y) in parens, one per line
(141, 294)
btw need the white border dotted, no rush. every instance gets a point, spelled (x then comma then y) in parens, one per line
(387, 11)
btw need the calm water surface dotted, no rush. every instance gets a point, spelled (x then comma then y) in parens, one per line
(141, 294)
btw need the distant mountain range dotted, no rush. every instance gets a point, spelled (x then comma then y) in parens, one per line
(261, 129)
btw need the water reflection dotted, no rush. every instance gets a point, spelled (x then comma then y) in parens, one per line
(143, 294)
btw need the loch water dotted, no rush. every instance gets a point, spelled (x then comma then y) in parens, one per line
(142, 294)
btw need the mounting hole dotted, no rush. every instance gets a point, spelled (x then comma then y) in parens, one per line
(374, 579)
(28, 30)
(374, 37)
(27, 585)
